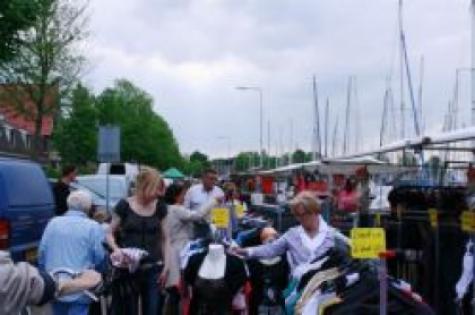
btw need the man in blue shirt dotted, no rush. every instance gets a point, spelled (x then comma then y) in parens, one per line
(74, 242)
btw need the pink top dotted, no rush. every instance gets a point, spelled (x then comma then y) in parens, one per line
(348, 200)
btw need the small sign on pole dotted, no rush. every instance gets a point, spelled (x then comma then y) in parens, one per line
(367, 243)
(108, 150)
(220, 217)
(108, 145)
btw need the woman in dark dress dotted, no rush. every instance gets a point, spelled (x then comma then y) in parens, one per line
(139, 222)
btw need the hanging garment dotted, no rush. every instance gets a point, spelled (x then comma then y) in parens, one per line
(466, 278)
(327, 303)
(363, 299)
(268, 277)
(210, 297)
(312, 288)
(313, 305)
(214, 296)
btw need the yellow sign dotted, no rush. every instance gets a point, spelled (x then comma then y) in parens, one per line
(367, 243)
(433, 217)
(468, 221)
(220, 217)
(239, 208)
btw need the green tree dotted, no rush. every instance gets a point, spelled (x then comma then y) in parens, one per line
(196, 164)
(75, 136)
(47, 59)
(299, 156)
(145, 136)
(243, 162)
(15, 16)
(200, 157)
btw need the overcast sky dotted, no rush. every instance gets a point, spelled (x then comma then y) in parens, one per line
(191, 54)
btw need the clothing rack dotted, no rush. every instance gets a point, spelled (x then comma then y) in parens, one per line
(436, 236)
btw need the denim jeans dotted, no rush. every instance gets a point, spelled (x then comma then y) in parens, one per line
(71, 308)
(145, 287)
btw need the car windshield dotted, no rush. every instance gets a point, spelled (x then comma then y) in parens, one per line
(117, 188)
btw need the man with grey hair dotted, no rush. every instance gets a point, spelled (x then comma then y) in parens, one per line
(73, 241)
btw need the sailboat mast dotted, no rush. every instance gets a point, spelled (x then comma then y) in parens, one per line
(421, 78)
(347, 117)
(316, 125)
(401, 72)
(327, 113)
(335, 131)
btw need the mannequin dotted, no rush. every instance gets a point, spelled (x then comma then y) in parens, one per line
(214, 264)
(215, 278)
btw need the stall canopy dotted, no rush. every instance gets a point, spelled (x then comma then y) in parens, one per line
(173, 173)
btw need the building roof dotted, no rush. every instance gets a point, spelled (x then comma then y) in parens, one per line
(19, 120)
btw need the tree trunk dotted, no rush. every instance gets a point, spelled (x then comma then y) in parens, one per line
(37, 137)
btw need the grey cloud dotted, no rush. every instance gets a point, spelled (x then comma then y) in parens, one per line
(191, 54)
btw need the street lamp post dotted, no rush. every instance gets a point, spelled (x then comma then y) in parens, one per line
(228, 154)
(261, 114)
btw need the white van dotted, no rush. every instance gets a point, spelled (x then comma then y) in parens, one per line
(130, 170)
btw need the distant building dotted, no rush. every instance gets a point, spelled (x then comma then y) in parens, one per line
(17, 127)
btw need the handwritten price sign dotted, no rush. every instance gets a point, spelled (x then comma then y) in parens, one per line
(367, 243)
(220, 217)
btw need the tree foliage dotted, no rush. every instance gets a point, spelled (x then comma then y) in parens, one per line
(15, 16)
(48, 57)
(196, 164)
(299, 156)
(245, 161)
(75, 135)
(145, 136)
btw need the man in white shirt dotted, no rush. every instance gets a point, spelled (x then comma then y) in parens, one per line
(201, 194)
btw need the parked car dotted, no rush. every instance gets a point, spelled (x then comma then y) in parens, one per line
(26, 206)
(119, 187)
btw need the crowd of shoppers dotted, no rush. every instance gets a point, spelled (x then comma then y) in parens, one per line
(160, 221)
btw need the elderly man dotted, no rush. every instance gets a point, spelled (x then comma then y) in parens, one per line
(72, 241)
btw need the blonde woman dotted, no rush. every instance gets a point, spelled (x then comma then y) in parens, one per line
(139, 222)
(312, 238)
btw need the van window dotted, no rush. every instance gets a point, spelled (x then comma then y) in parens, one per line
(117, 169)
(25, 184)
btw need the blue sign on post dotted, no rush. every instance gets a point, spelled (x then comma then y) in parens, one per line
(108, 148)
